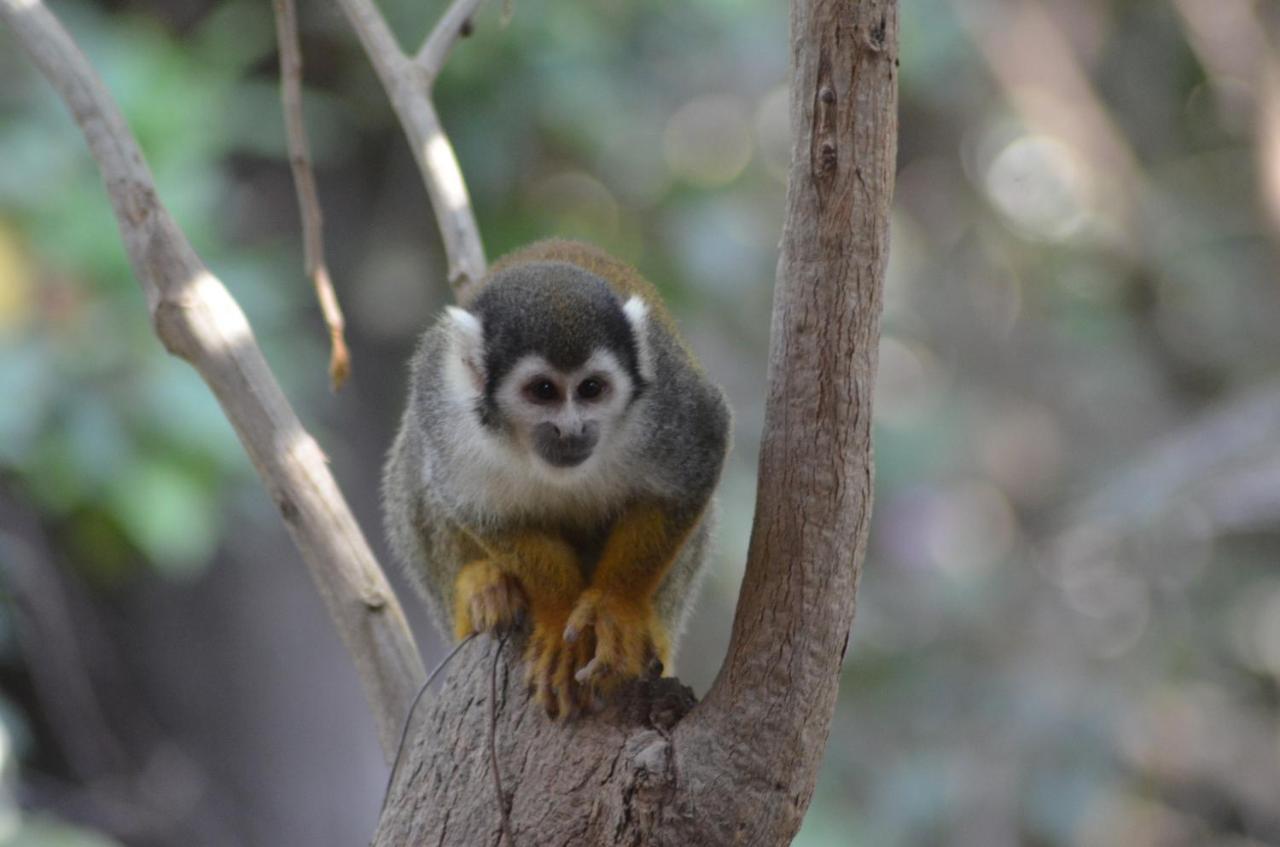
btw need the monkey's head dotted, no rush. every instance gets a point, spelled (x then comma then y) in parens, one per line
(551, 360)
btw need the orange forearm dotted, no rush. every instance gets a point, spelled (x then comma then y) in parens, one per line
(640, 550)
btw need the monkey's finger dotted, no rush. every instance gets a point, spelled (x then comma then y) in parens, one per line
(479, 620)
(655, 668)
(585, 617)
(566, 689)
(592, 670)
(544, 693)
(645, 656)
(536, 658)
(583, 653)
(579, 622)
(517, 605)
(551, 695)
(532, 658)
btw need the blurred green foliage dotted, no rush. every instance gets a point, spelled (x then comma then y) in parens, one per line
(118, 441)
(1067, 627)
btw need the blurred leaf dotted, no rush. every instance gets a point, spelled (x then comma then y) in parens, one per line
(45, 831)
(172, 515)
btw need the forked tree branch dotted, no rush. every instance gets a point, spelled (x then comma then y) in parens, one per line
(197, 320)
(304, 183)
(452, 26)
(740, 768)
(408, 83)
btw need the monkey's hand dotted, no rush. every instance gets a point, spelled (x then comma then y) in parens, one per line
(550, 663)
(630, 640)
(487, 600)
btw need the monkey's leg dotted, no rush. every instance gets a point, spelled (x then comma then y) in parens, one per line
(485, 599)
(618, 610)
(548, 574)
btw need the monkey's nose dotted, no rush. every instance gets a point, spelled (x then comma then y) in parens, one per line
(565, 446)
(571, 432)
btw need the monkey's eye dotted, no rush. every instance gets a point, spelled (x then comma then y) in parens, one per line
(542, 390)
(590, 389)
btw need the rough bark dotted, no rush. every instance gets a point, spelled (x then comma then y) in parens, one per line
(740, 767)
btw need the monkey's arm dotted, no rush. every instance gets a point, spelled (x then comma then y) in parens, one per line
(546, 569)
(503, 572)
(618, 607)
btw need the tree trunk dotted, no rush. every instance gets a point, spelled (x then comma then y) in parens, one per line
(740, 767)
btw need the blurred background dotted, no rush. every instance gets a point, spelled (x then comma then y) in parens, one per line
(1068, 631)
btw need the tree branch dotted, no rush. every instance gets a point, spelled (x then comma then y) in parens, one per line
(767, 716)
(304, 182)
(452, 26)
(741, 767)
(408, 83)
(197, 319)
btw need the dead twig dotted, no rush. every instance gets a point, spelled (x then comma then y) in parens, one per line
(304, 182)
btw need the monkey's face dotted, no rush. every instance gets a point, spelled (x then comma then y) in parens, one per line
(564, 417)
(549, 360)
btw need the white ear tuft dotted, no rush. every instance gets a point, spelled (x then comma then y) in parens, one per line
(466, 369)
(637, 312)
(465, 323)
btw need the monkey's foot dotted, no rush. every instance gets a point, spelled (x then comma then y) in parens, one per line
(550, 664)
(630, 641)
(487, 600)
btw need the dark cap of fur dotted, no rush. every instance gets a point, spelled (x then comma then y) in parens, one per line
(556, 310)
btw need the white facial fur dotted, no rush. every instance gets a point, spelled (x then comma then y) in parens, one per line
(570, 412)
(502, 471)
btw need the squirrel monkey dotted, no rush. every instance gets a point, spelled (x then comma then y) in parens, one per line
(555, 466)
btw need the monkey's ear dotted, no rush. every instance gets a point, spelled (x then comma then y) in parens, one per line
(637, 312)
(466, 342)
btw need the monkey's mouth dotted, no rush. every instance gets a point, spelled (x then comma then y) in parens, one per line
(561, 449)
(564, 455)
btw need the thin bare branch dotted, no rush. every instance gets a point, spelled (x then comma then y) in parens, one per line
(410, 91)
(197, 319)
(304, 182)
(452, 26)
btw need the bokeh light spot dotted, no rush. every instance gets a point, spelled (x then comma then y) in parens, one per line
(708, 140)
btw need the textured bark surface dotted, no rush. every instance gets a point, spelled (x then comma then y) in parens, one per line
(740, 767)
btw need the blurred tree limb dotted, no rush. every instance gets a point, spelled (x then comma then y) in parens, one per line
(1237, 48)
(1045, 83)
(197, 320)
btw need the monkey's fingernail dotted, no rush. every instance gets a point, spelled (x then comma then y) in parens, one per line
(587, 671)
(571, 634)
(655, 668)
